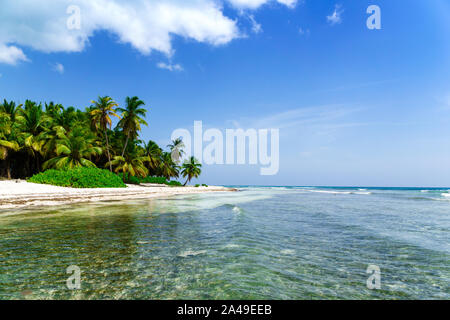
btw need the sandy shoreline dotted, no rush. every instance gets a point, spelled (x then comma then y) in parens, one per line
(23, 194)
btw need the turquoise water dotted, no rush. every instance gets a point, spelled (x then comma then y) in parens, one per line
(258, 243)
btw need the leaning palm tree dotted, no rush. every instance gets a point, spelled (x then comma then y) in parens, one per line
(74, 150)
(102, 111)
(132, 119)
(191, 169)
(129, 164)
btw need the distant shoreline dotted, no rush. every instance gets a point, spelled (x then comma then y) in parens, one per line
(21, 194)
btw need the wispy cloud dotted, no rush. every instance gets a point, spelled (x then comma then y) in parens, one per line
(58, 67)
(256, 27)
(303, 32)
(336, 16)
(170, 67)
(319, 115)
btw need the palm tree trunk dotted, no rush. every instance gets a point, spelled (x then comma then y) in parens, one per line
(8, 169)
(184, 185)
(126, 143)
(107, 150)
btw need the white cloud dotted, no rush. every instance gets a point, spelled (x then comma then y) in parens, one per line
(146, 25)
(288, 3)
(256, 27)
(170, 67)
(254, 4)
(336, 16)
(58, 67)
(11, 54)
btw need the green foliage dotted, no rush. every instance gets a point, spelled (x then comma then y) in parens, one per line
(38, 136)
(197, 185)
(191, 169)
(128, 178)
(174, 184)
(204, 185)
(157, 180)
(79, 178)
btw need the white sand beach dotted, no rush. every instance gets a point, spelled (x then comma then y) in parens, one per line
(18, 194)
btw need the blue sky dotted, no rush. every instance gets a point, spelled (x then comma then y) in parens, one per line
(354, 106)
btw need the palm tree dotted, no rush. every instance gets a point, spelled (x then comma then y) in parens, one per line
(132, 118)
(102, 111)
(191, 169)
(168, 168)
(129, 164)
(74, 150)
(8, 133)
(176, 149)
(33, 123)
(10, 109)
(154, 153)
(8, 141)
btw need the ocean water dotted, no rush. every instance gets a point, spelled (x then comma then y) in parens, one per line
(258, 243)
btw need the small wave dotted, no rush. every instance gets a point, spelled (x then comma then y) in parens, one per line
(445, 194)
(236, 209)
(330, 192)
(340, 192)
(190, 253)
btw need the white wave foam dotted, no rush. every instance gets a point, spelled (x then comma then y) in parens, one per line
(340, 192)
(236, 209)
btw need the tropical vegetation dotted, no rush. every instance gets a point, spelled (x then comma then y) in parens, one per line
(35, 137)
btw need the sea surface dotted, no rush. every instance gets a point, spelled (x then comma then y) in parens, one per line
(258, 243)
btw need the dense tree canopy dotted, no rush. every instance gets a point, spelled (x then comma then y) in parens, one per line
(34, 138)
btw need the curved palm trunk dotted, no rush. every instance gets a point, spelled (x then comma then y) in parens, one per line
(107, 150)
(188, 179)
(125, 146)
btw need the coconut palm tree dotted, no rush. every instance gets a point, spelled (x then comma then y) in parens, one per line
(154, 153)
(132, 119)
(168, 168)
(176, 149)
(8, 141)
(10, 109)
(74, 150)
(33, 122)
(129, 164)
(191, 169)
(102, 111)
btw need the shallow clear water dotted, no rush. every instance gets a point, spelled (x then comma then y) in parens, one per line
(259, 243)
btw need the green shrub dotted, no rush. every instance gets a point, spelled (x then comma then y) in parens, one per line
(174, 184)
(79, 178)
(204, 185)
(197, 185)
(157, 180)
(129, 178)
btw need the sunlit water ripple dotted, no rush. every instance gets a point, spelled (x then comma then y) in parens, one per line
(259, 243)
